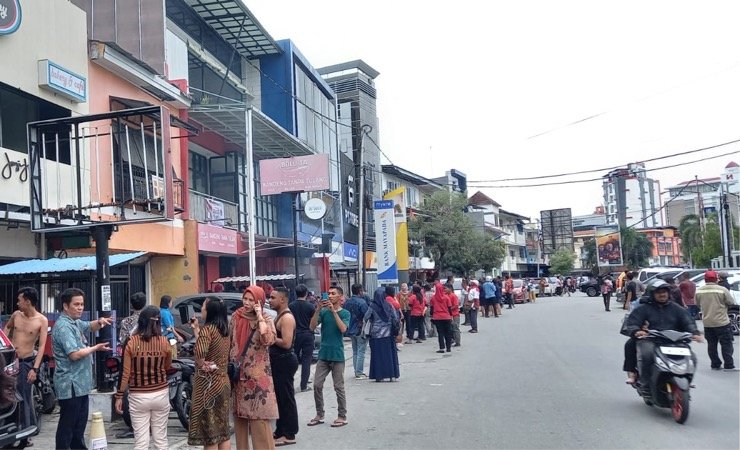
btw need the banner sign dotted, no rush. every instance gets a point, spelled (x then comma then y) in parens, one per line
(62, 81)
(385, 241)
(215, 214)
(296, 174)
(608, 246)
(402, 232)
(216, 239)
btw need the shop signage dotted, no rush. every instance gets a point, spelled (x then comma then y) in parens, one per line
(315, 208)
(296, 174)
(56, 78)
(216, 239)
(385, 241)
(10, 16)
(351, 251)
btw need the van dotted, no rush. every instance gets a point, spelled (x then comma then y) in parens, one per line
(650, 272)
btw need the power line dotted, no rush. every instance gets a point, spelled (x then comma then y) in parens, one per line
(582, 172)
(558, 183)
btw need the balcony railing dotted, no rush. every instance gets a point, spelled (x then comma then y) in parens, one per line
(202, 209)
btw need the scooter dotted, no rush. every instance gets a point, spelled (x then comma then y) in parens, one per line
(674, 365)
(180, 378)
(43, 394)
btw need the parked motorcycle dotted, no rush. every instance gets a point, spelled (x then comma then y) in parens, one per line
(180, 378)
(674, 365)
(114, 366)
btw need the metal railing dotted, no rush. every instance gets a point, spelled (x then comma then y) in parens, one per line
(199, 210)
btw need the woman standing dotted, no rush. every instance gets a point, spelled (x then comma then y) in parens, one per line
(417, 304)
(254, 403)
(606, 291)
(145, 362)
(209, 411)
(383, 353)
(442, 316)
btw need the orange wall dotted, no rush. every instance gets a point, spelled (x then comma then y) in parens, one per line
(176, 275)
(165, 237)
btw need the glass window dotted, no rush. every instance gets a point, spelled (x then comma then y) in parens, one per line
(198, 172)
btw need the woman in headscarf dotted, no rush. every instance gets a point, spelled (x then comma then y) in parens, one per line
(383, 353)
(254, 403)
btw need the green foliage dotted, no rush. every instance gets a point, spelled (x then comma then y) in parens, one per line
(636, 248)
(589, 248)
(710, 243)
(450, 237)
(562, 262)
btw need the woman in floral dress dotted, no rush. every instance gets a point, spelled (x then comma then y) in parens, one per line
(209, 410)
(254, 401)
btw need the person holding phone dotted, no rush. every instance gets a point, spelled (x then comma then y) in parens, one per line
(334, 321)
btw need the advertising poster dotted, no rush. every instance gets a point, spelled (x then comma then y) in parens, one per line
(608, 246)
(398, 196)
(297, 174)
(385, 236)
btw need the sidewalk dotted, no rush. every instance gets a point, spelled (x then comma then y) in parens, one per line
(178, 436)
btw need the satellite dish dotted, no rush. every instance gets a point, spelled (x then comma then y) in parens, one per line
(315, 209)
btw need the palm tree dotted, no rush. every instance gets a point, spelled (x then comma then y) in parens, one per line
(636, 248)
(691, 236)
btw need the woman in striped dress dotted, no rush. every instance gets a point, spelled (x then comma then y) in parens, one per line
(209, 411)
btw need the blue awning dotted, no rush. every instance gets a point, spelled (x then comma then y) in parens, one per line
(58, 265)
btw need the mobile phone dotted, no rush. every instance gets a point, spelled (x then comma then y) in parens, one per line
(324, 296)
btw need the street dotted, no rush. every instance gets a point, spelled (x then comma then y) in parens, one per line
(545, 375)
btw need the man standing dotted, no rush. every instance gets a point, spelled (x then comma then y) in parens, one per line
(455, 312)
(26, 327)
(303, 310)
(509, 291)
(431, 329)
(688, 294)
(489, 296)
(357, 307)
(334, 320)
(713, 300)
(630, 291)
(73, 378)
(284, 365)
(473, 301)
(497, 299)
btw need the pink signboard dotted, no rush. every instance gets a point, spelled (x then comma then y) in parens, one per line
(216, 239)
(297, 174)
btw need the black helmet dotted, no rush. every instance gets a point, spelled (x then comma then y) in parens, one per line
(659, 285)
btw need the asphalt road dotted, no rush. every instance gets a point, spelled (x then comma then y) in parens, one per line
(543, 376)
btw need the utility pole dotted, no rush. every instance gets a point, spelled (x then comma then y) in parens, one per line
(699, 209)
(728, 228)
(364, 129)
(101, 235)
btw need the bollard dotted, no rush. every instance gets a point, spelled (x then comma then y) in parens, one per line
(98, 441)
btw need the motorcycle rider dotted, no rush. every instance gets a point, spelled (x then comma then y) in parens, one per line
(658, 313)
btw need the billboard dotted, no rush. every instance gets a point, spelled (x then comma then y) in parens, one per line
(398, 196)
(385, 235)
(350, 200)
(296, 174)
(608, 246)
(557, 230)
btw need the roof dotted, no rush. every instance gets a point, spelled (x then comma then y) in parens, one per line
(409, 176)
(518, 216)
(700, 180)
(258, 277)
(236, 25)
(59, 265)
(479, 198)
(731, 165)
(349, 65)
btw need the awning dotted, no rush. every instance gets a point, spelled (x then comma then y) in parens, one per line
(259, 278)
(58, 265)
(269, 139)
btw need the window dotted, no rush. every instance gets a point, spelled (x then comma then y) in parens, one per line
(512, 254)
(198, 172)
(314, 114)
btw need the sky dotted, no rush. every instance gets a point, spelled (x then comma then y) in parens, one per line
(500, 89)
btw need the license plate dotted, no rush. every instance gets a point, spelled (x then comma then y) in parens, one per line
(675, 351)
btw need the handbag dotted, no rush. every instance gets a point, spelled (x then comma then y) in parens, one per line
(366, 329)
(235, 367)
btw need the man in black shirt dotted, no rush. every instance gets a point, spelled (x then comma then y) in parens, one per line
(630, 291)
(303, 310)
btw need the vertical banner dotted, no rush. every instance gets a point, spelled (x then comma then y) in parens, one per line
(402, 231)
(385, 241)
(608, 246)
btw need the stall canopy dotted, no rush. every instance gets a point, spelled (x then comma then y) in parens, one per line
(60, 265)
(259, 278)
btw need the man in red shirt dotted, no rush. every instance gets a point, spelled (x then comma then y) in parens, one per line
(688, 295)
(455, 312)
(509, 291)
(442, 317)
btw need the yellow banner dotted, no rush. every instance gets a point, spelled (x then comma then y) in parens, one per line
(402, 232)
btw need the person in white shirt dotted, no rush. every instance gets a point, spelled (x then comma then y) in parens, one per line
(473, 302)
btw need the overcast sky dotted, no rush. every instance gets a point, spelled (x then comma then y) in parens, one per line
(475, 80)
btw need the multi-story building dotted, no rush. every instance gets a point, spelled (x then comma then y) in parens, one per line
(631, 199)
(516, 257)
(702, 196)
(583, 231)
(666, 245)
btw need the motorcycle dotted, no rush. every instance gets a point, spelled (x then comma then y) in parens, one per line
(114, 366)
(674, 365)
(180, 378)
(42, 391)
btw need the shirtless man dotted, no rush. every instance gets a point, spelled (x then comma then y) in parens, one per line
(26, 327)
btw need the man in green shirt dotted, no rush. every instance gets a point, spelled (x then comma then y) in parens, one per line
(334, 321)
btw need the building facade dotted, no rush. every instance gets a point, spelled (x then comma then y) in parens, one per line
(631, 199)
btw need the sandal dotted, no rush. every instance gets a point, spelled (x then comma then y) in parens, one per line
(631, 378)
(339, 422)
(315, 421)
(284, 441)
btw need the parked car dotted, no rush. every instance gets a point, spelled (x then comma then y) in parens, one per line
(520, 291)
(649, 272)
(10, 407)
(590, 287)
(187, 305)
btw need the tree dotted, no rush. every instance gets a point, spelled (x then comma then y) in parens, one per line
(562, 262)
(711, 243)
(691, 236)
(636, 248)
(589, 248)
(450, 238)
